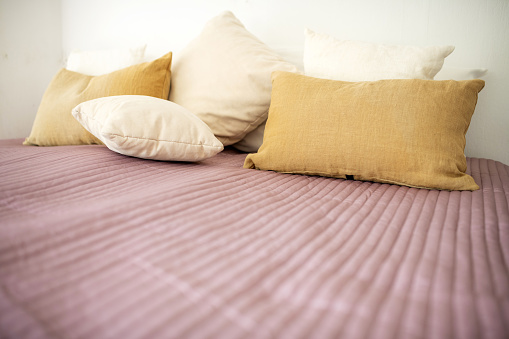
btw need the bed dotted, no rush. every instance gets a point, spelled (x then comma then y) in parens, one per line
(95, 244)
(259, 201)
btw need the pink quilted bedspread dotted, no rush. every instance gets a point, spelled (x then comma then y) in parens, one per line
(94, 244)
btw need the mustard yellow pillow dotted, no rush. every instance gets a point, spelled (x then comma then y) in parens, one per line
(54, 124)
(407, 132)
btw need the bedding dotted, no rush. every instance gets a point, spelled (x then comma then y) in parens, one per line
(94, 244)
(345, 60)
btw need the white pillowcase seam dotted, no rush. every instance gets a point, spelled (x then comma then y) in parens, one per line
(170, 141)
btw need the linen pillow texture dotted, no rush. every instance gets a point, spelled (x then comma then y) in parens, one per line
(98, 62)
(224, 77)
(54, 124)
(402, 131)
(329, 58)
(148, 127)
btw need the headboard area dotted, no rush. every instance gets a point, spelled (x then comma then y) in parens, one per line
(478, 32)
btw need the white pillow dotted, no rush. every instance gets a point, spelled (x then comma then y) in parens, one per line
(147, 127)
(104, 61)
(327, 57)
(224, 77)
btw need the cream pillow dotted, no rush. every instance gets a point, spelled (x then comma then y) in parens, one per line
(329, 58)
(402, 131)
(148, 127)
(223, 76)
(54, 124)
(97, 62)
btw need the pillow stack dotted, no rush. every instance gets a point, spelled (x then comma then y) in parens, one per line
(54, 124)
(329, 58)
(364, 111)
(220, 90)
(370, 112)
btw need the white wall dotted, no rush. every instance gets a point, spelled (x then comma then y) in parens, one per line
(478, 28)
(30, 54)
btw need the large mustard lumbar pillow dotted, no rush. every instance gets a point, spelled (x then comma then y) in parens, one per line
(54, 124)
(409, 132)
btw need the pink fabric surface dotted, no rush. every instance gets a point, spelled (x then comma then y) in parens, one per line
(94, 244)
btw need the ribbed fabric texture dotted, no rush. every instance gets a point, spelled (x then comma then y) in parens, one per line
(94, 244)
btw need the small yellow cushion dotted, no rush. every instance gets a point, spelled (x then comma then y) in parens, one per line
(54, 124)
(408, 132)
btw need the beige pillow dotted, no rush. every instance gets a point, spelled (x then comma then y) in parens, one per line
(54, 124)
(329, 58)
(223, 76)
(148, 127)
(407, 132)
